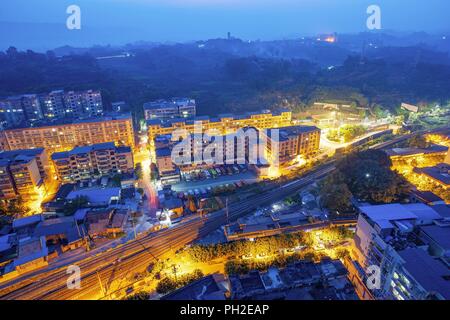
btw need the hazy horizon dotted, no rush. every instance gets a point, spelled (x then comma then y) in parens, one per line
(41, 24)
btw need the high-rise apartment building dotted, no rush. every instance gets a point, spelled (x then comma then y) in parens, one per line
(62, 137)
(93, 161)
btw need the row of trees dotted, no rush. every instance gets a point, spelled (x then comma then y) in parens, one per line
(346, 133)
(261, 246)
(170, 284)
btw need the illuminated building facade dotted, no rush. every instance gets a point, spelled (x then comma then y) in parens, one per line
(292, 142)
(85, 163)
(62, 137)
(223, 124)
(22, 172)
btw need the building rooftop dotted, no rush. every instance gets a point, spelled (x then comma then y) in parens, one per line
(96, 195)
(11, 155)
(207, 288)
(384, 214)
(426, 196)
(435, 148)
(26, 221)
(440, 235)
(248, 115)
(286, 132)
(163, 152)
(67, 121)
(432, 274)
(439, 173)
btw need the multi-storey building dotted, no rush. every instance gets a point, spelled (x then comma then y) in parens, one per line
(41, 156)
(11, 114)
(389, 239)
(62, 137)
(83, 103)
(26, 104)
(168, 109)
(224, 124)
(288, 143)
(249, 145)
(53, 105)
(22, 172)
(84, 163)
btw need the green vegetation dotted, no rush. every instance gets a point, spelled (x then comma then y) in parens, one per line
(170, 284)
(138, 171)
(260, 246)
(365, 175)
(14, 208)
(223, 82)
(346, 133)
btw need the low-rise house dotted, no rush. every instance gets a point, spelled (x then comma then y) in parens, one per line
(62, 231)
(212, 287)
(97, 197)
(299, 280)
(105, 222)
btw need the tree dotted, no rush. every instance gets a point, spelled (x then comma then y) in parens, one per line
(369, 177)
(138, 171)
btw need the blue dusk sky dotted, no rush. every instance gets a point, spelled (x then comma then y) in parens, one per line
(41, 23)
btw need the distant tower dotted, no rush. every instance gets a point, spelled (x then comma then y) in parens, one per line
(229, 35)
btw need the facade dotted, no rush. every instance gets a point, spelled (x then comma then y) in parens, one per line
(83, 103)
(389, 237)
(22, 172)
(67, 136)
(223, 124)
(251, 146)
(53, 105)
(10, 114)
(172, 108)
(292, 142)
(84, 163)
(17, 109)
(30, 108)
